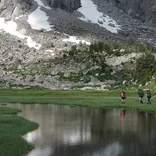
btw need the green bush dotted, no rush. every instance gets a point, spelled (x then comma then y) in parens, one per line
(145, 68)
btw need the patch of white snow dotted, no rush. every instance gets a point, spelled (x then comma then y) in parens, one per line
(32, 43)
(49, 51)
(10, 27)
(18, 17)
(73, 39)
(40, 3)
(91, 14)
(39, 20)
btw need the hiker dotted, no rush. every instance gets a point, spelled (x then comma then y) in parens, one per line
(148, 96)
(123, 97)
(141, 95)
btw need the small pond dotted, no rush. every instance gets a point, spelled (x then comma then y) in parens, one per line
(79, 131)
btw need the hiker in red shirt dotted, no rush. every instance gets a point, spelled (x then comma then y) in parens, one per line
(123, 97)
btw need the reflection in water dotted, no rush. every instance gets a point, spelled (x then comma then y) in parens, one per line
(113, 149)
(42, 151)
(78, 131)
(122, 113)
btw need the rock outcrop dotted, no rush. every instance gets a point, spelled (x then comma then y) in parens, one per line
(67, 5)
(12, 8)
(143, 10)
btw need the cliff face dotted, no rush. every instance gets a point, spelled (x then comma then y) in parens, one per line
(144, 10)
(9, 8)
(67, 5)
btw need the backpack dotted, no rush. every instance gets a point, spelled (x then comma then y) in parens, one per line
(148, 94)
(141, 93)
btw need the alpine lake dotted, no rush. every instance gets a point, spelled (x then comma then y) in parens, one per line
(83, 131)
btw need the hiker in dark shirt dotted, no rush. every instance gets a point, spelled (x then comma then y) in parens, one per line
(141, 95)
(148, 96)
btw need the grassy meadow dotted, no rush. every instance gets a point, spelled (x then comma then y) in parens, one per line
(95, 99)
(12, 128)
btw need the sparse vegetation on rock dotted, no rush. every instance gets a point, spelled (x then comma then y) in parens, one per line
(102, 63)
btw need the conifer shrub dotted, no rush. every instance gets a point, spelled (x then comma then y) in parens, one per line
(145, 68)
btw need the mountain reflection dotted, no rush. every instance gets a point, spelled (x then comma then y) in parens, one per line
(78, 131)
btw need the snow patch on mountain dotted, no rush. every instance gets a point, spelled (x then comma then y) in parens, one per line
(50, 52)
(38, 19)
(73, 39)
(40, 3)
(11, 28)
(18, 17)
(91, 14)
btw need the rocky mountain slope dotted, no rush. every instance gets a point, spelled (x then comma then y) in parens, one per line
(140, 9)
(38, 37)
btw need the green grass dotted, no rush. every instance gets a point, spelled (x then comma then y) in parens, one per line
(109, 99)
(12, 128)
(7, 93)
(8, 111)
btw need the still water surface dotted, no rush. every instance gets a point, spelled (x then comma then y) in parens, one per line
(78, 131)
